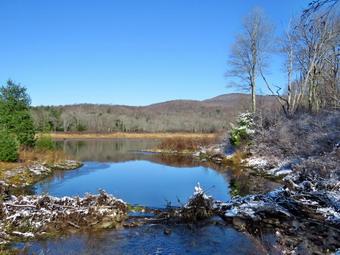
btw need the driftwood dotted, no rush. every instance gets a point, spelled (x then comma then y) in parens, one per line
(20, 206)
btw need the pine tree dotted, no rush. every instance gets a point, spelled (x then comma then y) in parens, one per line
(15, 116)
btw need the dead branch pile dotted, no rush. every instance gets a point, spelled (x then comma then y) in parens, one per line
(29, 216)
(304, 198)
(199, 206)
(311, 191)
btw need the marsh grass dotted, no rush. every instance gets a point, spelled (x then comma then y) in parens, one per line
(185, 144)
(27, 158)
(49, 157)
(18, 173)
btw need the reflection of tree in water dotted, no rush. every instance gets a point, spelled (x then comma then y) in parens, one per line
(127, 150)
(176, 160)
(105, 150)
(243, 183)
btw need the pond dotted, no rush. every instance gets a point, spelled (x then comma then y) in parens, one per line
(146, 179)
(117, 167)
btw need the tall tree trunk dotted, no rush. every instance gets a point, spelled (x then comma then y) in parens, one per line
(253, 94)
(289, 85)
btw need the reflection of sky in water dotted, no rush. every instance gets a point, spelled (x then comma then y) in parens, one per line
(138, 182)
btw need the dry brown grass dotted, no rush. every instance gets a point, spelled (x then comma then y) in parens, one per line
(185, 143)
(49, 157)
(16, 173)
(122, 135)
(7, 165)
(28, 156)
(237, 158)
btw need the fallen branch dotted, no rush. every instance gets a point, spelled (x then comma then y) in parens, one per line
(21, 206)
(73, 225)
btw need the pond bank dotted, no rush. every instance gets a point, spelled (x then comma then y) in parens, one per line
(19, 176)
(127, 135)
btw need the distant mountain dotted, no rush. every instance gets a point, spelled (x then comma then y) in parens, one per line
(210, 115)
(174, 106)
(233, 99)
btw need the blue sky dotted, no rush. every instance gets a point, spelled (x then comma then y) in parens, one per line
(130, 52)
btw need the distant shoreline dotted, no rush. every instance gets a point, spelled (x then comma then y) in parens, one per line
(128, 135)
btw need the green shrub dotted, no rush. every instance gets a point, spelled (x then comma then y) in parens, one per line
(44, 143)
(241, 133)
(9, 147)
(81, 128)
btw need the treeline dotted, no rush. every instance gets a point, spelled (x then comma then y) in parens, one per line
(209, 116)
(107, 118)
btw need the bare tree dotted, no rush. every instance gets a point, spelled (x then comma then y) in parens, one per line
(317, 5)
(311, 49)
(250, 50)
(314, 47)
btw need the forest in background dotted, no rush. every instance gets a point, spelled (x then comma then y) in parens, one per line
(208, 116)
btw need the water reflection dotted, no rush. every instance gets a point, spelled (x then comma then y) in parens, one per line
(240, 181)
(147, 179)
(106, 150)
(150, 239)
(243, 183)
(137, 182)
(116, 150)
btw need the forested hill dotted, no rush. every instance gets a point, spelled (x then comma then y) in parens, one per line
(210, 115)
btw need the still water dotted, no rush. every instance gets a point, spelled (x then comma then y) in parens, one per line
(142, 179)
(152, 180)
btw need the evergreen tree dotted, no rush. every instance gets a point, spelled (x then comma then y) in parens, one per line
(9, 147)
(15, 116)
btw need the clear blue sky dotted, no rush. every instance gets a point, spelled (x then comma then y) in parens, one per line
(132, 52)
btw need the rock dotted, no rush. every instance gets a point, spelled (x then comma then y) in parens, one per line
(3, 188)
(239, 224)
(215, 222)
(167, 232)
